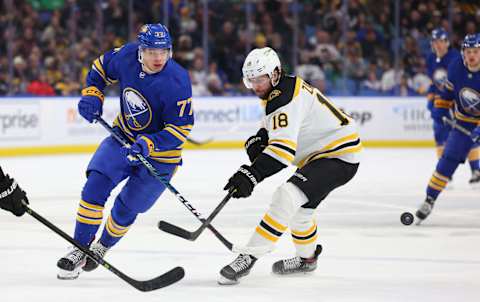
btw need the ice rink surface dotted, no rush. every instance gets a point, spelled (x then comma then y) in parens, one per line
(368, 254)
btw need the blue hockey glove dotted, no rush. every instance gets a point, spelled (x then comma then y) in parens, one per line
(476, 134)
(91, 103)
(142, 146)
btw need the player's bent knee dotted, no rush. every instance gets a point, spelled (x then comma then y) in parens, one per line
(97, 188)
(287, 199)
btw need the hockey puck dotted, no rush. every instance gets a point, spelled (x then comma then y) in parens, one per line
(406, 218)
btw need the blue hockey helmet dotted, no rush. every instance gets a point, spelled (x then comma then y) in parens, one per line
(471, 41)
(154, 36)
(439, 33)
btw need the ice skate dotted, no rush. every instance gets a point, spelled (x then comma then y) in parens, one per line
(240, 267)
(297, 264)
(98, 249)
(475, 179)
(425, 210)
(70, 266)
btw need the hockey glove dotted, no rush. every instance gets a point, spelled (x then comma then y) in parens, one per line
(142, 146)
(11, 195)
(243, 181)
(476, 134)
(256, 144)
(91, 103)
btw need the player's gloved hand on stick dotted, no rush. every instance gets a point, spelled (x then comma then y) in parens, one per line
(142, 146)
(91, 103)
(255, 144)
(476, 134)
(243, 181)
(11, 195)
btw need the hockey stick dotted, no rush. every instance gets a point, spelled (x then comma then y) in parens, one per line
(166, 279)
(192, 236)
(460, 128)
(179, 196)
(198, 142)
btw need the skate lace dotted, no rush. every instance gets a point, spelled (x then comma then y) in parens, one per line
(75, 256)
(292, 263)
(99, 249)
(242, 262)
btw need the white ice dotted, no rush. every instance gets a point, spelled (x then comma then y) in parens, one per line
(368, 254)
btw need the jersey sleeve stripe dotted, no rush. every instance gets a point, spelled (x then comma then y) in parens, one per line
(183, 131)
(291, 151)
(298, 84)
(279, 154)
(173, 132)
(462, 117)
(285, 142)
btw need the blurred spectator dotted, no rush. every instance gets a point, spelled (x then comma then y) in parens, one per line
(40, 86)
(61, 38)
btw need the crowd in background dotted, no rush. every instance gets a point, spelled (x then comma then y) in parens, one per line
(49, 46)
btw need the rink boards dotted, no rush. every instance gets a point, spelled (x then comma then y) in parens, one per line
(53, 125)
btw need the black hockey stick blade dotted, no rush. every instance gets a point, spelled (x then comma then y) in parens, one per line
(163, 280)
(175, 230)
(166, 279)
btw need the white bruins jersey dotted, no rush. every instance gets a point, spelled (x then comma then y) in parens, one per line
(303, 125)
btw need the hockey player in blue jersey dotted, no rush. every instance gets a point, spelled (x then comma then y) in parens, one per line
(437, 64)
(462, 93)
(156, 117)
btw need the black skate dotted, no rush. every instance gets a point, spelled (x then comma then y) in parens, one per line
(240, 267)
(99, 250)
(475, 180)
(71, 264)
(425, 209)
(297, 264)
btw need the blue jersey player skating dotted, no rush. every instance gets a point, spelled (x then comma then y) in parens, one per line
(437, 64)
(156, 116)
(462, 93)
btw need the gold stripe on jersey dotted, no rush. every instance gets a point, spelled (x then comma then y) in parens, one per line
(465, 118)
(120, 122)
(298, 84)
(347, 144)
(114, 229)
(178, 133)
(474, 154)
(279, 154)
(439, 103)
(182, 129)
(288, 143)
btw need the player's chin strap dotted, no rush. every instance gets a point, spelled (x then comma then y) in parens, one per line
(188, 205)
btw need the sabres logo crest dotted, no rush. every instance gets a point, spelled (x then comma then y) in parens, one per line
(136, 109)
(470, 101)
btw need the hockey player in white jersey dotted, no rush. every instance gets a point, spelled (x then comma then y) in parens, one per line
(301, 127)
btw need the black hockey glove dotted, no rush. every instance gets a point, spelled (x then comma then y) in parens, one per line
(243, 181)
(11, 195)
(256, 144)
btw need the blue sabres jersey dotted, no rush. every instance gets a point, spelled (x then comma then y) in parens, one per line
(157, 106)
(437, 70)
(463, 89)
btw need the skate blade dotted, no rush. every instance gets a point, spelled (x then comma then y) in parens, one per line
(224, 281)
(68, 275)
(419, 221)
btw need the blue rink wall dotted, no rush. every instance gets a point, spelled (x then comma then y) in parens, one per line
(33, 126)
